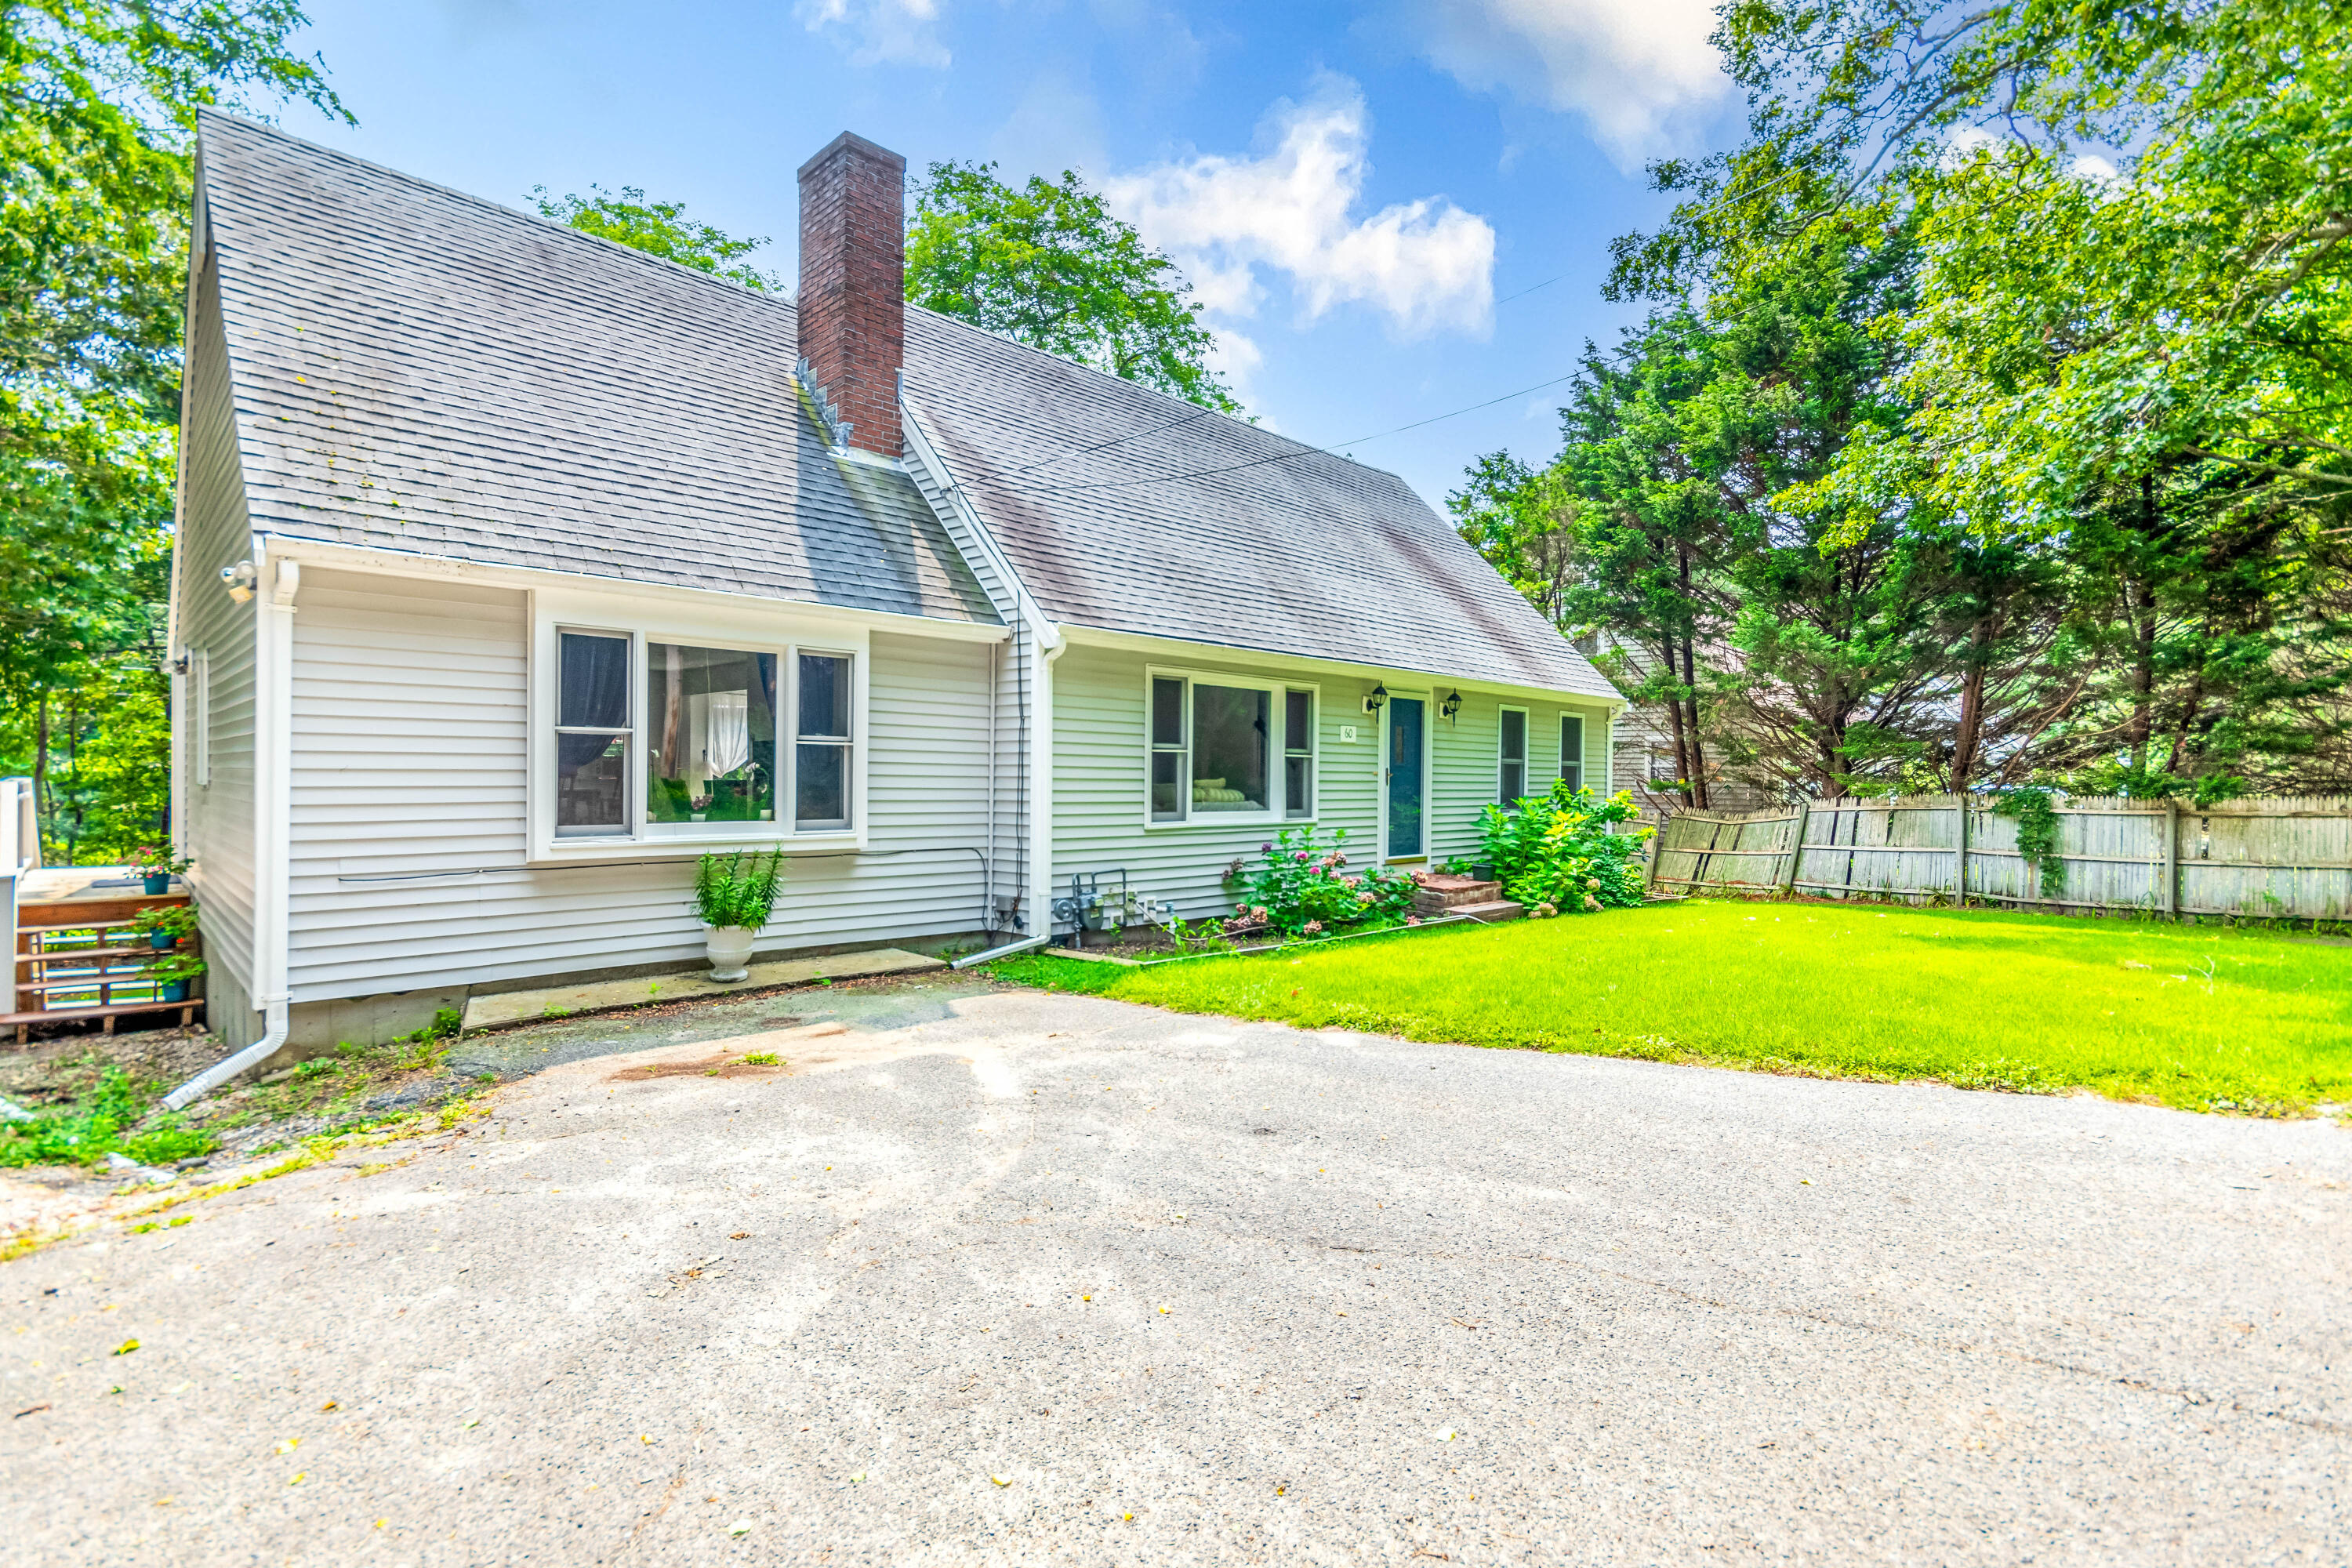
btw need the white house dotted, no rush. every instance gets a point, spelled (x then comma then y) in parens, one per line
(517, 568)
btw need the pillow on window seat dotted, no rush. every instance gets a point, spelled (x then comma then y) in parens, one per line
(1213, 792)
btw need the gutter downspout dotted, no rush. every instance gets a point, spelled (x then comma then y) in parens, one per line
(993, 954)
(1041, 787)
(273, 830)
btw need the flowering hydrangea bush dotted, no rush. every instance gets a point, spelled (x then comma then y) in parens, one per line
(1554, 853)
(1301, 888)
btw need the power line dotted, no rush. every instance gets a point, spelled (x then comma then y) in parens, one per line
(1308, 451)
(1532, 288)
(1114, 441)
(1189, 418)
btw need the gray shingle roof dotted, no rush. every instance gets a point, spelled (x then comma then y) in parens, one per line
(1288, 549)
(418, 370)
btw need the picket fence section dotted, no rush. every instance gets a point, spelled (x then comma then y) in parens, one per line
(2274, 859)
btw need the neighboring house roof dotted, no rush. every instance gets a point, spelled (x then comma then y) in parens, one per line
(418, 370)
(1207, 528)
(415, 369)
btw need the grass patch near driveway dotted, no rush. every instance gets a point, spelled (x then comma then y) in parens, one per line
(2203, 1017)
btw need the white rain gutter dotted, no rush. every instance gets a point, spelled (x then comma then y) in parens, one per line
(273, 752)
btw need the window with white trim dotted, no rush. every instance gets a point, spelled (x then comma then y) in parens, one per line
(660, 739)
(1572, 750)
(1512, 759)
(1297, 753)
(1228, 748)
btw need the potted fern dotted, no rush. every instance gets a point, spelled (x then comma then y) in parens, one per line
(735, 897)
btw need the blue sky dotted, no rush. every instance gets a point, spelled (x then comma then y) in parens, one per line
(1357, 190)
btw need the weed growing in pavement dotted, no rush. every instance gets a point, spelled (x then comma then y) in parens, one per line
(762, 1059)
(85, 1131)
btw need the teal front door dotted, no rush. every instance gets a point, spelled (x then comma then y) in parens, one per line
(1405, 785)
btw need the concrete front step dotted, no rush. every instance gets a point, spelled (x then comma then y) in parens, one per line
(1491, 911)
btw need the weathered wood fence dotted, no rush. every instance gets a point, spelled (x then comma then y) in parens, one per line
(2277, 859)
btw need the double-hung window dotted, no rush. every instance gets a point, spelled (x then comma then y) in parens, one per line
(821, 748)
(659, 740)
(1297, 753)
(1224, 747)
(592, 735)
(1513, 758)
(1571, 751)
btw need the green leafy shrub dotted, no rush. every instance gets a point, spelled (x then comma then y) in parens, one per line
(1555, 854)
(1301, 888)
(740, 890)
(88, 1132)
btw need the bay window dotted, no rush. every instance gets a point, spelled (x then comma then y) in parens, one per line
(659, 739)
(1227, 748)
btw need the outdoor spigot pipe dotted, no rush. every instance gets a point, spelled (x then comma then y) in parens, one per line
(220, 1072)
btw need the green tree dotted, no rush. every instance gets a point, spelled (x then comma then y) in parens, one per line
(98, 107)
(2132, 217)
(661, 228)
(1050, 266)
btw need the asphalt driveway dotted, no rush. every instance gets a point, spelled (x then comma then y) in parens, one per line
(997, 1277)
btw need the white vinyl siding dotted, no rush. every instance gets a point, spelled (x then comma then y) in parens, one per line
(1013, 663)
(216, 827)
(1467, 751)
(410, 756)
(1100, 771)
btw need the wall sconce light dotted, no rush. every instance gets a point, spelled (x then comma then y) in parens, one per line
(1379, 698)
(240, 580)
(1451, 706)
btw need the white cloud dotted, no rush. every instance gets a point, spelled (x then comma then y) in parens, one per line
(1425, 265)
(1641, 73)
(880, 32)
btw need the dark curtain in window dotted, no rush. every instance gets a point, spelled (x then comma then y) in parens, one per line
(593, 690)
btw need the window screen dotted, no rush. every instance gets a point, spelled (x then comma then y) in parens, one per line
(821, 743)
(1513, 780)
(1229, 748)
(1297, 753)
(1169, 766)
(1571, 751)
(592, 734)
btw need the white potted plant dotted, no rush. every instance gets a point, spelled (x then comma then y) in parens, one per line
(735, 899)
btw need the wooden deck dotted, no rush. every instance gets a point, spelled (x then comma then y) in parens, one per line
(78, 957)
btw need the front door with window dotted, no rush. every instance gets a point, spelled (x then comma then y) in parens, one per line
(1404, 770)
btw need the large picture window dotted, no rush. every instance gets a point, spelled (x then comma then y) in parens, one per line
(714, 743)
(710, 735)
(1223, 748)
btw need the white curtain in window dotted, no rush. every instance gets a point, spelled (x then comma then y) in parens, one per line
(727, 744)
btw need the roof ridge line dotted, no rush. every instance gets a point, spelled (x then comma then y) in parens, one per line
(248, 122)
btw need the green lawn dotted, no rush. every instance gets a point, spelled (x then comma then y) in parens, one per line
(2188, 1015)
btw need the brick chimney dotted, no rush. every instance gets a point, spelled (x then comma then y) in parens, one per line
(853, 298)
